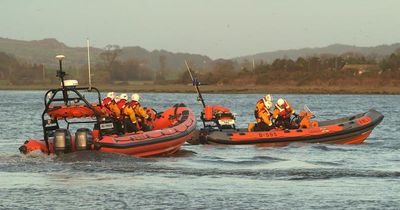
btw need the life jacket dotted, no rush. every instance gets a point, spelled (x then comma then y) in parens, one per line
(129, 112)
(106, 101)
(139, 110)
(133, 104)
(121, 104)
(133, 107)
(285, 110)
(261, 113)
(114, 109)
(260, 106)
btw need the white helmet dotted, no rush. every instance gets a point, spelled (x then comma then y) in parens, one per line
(111, 95)
(135, 97)
(268, 97)
(117, 98)
(267, 101)
(268, 104)
(124, 96)
(49, 95)
(280, 102)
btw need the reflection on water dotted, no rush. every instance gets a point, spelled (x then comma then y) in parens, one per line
(206, 176)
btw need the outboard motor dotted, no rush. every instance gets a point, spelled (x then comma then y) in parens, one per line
(225, 120)
(62, 141)
(219, 117)
(83, 139)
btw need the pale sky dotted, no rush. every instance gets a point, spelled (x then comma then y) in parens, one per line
(217, 28)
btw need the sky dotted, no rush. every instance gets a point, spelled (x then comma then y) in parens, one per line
(217, 28)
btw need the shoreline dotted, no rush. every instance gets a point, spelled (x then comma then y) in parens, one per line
(178, 88)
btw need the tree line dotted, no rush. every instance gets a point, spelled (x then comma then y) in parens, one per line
(314, 70)
(318, 69)
(110, 68)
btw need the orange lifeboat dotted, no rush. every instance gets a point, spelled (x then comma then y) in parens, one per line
(165, 132)
(172, 128)
(348, 130)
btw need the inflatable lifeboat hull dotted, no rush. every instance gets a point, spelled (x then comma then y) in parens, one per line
(348, 130)
(77, 111)
(172, 129)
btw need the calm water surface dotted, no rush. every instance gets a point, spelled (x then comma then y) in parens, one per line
(213, 177)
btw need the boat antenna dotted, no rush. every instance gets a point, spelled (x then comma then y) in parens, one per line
(88, 58)
(196, 83)
(61, 74)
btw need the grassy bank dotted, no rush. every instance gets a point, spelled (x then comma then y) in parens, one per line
(177, 88)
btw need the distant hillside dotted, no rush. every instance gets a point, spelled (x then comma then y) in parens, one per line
(44, 51)
(380, 51)
(173, 61)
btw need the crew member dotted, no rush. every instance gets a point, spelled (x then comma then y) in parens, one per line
(110, 104)
(135, 113)
(262, 114)
(113, 106)
(282, 113)
(108, 99)
(122, 101)
(116, 112)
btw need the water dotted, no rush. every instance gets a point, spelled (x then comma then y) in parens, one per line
(317, 176)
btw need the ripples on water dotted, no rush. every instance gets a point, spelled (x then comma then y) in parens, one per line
(229, 177)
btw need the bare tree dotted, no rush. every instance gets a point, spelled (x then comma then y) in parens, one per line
(110, 54)
(160, 77)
